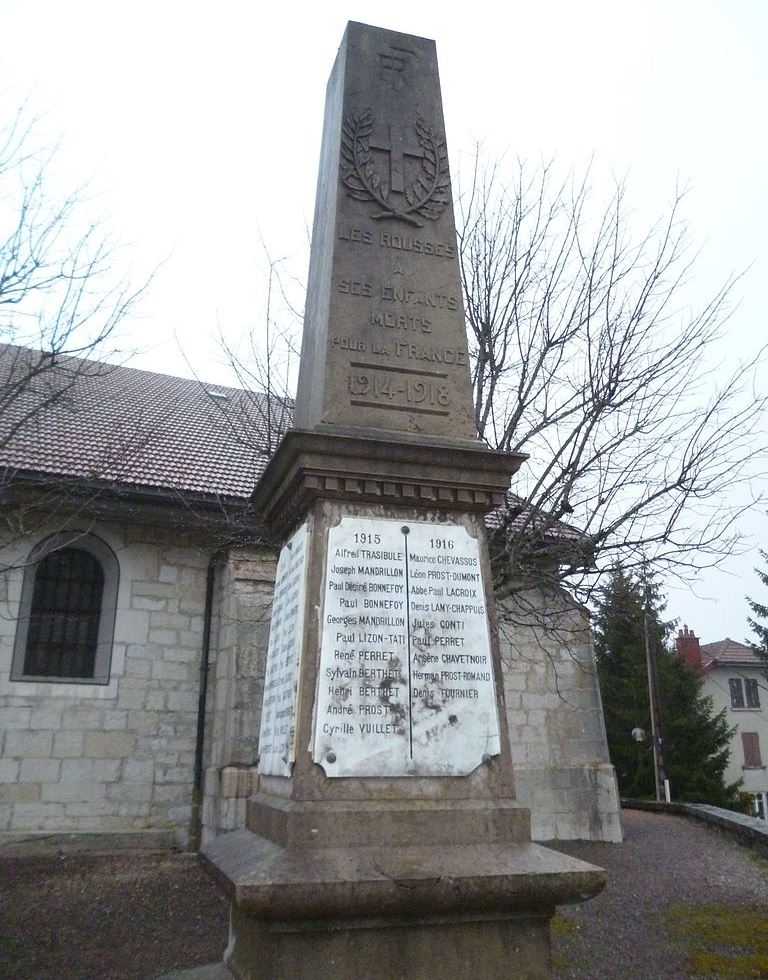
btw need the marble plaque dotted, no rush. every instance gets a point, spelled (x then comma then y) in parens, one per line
(277, 736)
(405, 683)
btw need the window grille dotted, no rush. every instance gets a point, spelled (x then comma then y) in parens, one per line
(64, 617)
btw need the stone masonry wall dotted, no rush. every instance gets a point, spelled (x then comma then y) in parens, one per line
(559, 749)
(245, 584)
(115, 757)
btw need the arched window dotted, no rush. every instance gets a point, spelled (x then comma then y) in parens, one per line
(67, 614)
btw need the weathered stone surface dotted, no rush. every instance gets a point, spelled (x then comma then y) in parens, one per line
(384, 341)
(463, 911)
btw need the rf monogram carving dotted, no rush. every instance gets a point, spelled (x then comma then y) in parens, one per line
(425, 197)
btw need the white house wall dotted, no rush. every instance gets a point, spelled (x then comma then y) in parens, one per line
(715, 685)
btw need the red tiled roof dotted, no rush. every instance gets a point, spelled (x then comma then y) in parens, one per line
(132, 428)
(728, 651)
(137, 429)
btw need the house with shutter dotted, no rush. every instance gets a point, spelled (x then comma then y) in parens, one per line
(135, 593)
(736, 679)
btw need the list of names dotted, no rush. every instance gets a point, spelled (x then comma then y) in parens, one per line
(277, 749)
(405, 684)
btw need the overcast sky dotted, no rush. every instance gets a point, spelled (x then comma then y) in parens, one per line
(198, 126)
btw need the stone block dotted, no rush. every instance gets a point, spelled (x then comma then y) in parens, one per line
(182, 701)
(164, 638)
(82, 718)
(106, 770)
(135, 770)
(94, 810)
(169, 793)
(28, 745)
(45, 718)
(163, 670)
(183, 653)
(124, 792)
(515, 680)
(109, 745)
(72, 792)
(156, 701)
(20, 793)
(169, 621)
(191, 639)
(30, 816)
(132, 626)
(9, 770)
(150, 605)
(153, 590)
(131, 693)
(137, 667)
(16, 716)
(115, 719)
(40, 771)
(144, 722)
(168, 573)
(173, 774)
(77, 770)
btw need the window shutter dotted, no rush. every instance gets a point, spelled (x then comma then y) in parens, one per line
(751, 744)
(737, 692)
(753, 694)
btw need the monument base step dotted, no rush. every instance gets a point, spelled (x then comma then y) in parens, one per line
(463, 911)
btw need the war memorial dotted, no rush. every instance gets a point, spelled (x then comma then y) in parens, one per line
(384, 838)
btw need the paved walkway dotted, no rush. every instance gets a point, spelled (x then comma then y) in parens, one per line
(682, 900)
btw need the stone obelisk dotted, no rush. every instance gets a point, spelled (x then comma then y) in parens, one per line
(384, 839)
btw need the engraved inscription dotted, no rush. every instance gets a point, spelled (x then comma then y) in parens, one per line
(354, 287)
(426, 196)
(399, 389)
(405, 685)
(419, 297)
(286, 631)
(400, 321)
(403, 243)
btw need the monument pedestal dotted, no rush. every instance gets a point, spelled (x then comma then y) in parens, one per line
(457, 911)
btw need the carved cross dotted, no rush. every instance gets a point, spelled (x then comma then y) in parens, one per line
(398, 151)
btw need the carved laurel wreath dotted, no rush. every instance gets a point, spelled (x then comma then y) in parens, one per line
(428, 195)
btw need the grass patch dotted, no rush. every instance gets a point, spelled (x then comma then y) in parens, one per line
(722, 941)
(561, 926)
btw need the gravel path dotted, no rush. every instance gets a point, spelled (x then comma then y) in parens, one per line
(133, 917)
(670, 873)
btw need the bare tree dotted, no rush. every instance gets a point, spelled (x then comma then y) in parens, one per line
(59, 293)
(585, 357)
(61, 301)
(263, 363)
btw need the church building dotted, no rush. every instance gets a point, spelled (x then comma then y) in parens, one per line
(135, 593)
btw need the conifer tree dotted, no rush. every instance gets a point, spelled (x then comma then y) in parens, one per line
(695, 741)
(760, 610)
